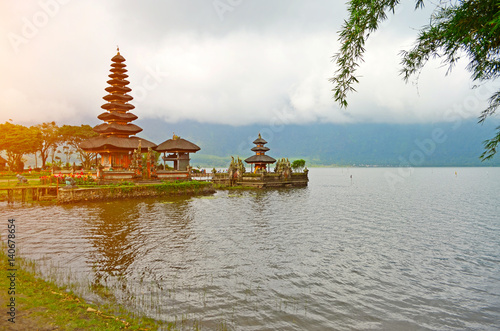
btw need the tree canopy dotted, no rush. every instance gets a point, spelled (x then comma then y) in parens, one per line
(49, 139)
(298, 165)
(17, 140)
(73, 136)
(469, 28)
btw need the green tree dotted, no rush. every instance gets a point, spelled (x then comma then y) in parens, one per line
(298, 165)
(72, 136)
(455, 29)
(49, 139)
(16, 141)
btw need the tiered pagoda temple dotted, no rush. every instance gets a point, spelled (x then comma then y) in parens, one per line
(282, 176)
(260, 160)
(116, 140)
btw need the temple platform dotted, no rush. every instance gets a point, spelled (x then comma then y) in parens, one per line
(269, 180)
(170, 175)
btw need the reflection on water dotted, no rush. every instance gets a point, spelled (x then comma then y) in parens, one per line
(119, 232)
(340, 254)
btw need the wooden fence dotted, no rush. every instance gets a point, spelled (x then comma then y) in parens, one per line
(25, 194)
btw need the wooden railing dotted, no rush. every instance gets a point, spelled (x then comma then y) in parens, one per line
(34, 193)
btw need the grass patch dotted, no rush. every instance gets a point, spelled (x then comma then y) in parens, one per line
(181, 186)
(43, 305)
(33, 174)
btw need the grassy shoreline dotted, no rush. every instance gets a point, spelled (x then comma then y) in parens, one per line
(43, 305)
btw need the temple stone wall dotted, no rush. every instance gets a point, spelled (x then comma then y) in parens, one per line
(172, 175)
(118, 175)
(124, 192)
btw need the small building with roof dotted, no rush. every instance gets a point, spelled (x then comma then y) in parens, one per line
(178, 150)
(260, 160)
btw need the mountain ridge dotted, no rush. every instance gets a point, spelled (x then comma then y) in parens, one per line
(436, 144)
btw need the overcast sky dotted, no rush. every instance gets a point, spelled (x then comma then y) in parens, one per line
(219, 61)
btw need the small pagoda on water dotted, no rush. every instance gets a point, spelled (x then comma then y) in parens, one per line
(260, 160)
(261, 176)
(116, 141)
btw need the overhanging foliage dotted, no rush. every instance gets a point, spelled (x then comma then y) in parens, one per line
(456, 29)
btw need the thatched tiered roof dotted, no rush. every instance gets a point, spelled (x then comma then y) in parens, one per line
(117, 133)
(260, 150)
(176, 145)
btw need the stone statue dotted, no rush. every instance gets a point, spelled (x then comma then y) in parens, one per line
(153, 170)
(21, 179)
(137, 161)
(283, 168)
(133, 162)
(279, 166)
(70, 183)
(152, 163)
(100, 174)
(148, 162)
(241, 167)
(236, 168)
(233, 169)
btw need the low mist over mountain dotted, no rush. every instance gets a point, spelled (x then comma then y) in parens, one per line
(438, 144)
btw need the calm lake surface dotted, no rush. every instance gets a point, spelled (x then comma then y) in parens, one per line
(389, 249)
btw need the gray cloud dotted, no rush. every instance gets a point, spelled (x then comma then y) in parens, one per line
(223, 61)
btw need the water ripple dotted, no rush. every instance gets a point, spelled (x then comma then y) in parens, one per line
(341, 254)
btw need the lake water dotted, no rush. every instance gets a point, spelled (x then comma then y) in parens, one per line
(388, 249)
